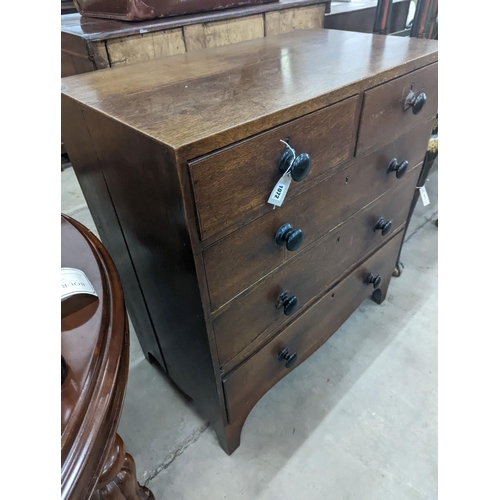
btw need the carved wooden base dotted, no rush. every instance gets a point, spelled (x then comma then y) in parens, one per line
(118, 480)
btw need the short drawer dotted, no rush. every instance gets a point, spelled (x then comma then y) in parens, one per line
(247, 317)
(236, 182)
(237, 261)
(383, 116)
(245, 385)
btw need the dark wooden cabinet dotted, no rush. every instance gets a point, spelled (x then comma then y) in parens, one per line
(177, 159)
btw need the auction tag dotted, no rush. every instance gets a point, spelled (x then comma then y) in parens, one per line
(424, 196)
(73, 282)
(279, 192)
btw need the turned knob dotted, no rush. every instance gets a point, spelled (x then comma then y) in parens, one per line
(385, 227)
(399, 169)
(289, 303)
(375, 280)
(415, 102)
(288, 358)
(299, 167)
(286, 234)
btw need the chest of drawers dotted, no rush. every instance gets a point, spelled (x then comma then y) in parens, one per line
(177, 159)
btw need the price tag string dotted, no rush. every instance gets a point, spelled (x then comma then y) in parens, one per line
(286, 174)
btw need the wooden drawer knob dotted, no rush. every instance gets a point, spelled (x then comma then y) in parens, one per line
(293, 238)
(288, 358)
(299, 167)
(290, 304)
(415, 102)
(400, 168)
(385, 227)
(375, 280)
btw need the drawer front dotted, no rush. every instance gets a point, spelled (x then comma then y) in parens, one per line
(383, 116)
(251, 380)
(252, 313)
(237, 181)
(237, 261)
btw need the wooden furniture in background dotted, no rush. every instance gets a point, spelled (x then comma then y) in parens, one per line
(177, 158)
(360, 16)
(95, 350)
(91, 44)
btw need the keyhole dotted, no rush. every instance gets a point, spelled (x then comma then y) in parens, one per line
(346, 180)
(338, 239)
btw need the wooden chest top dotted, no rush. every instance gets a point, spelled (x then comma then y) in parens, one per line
(199, 102)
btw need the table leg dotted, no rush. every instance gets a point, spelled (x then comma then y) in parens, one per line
(118, 480)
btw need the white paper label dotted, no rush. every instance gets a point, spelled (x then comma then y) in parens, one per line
(424, 196)
(73, 282)
(279, 192)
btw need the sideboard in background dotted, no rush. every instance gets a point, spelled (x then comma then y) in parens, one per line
(90, 44)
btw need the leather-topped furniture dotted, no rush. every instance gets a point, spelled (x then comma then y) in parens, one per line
(94, 370)
(137, 10)
(177, 159)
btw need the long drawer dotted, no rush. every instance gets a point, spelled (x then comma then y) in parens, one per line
(237, 261)
(251, 380)
(384, 117)
(246, 318)
(237, 181)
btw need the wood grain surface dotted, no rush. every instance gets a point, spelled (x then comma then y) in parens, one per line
(94, 29)
(91, 178)
(147, 47)
(251, 380)
(235, 262)
(284, 21)
(235, 182)
(168, 150)
(243, 320)
(90, 44)
(218, 34)
(383, 114)
(217, 97)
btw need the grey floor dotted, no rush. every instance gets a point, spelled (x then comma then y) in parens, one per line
(358, 420)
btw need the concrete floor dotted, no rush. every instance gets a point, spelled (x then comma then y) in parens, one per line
(358, 420)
